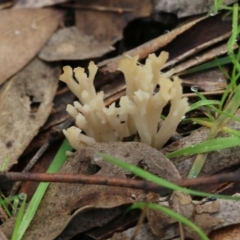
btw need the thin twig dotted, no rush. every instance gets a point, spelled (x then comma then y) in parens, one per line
(129, 183)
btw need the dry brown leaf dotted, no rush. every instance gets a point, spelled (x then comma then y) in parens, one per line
(25, 104)
(164, 226)
(79, 198)
(92, 218)
(72, 44)
(23, 33)
(143, 233)
(213, 215)
(229, 212)
(207, 80)
(208, 216)
(231, 232)
(120, 223)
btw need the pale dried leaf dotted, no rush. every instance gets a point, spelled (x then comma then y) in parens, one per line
(183, 8)
(23, 33)
(25, 103)
(216, 214)
(143, 233)
(72, 44)
(208, 80)
(37, 3)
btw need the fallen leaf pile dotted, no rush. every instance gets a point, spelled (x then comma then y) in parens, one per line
(37, 39)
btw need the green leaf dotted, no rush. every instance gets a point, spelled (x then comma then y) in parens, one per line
(203, 103)
(207, 146)
(19, 216)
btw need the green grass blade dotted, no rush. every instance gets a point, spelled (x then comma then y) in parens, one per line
(218, 125)
(5, 162)
(173, 215)
(232, 39)
(58, 161)
(208, 106)
(232, 131)
(19, 217)
(3, 203)
(160, 181)
(197, 165)
(229, 115)
(203, 103)
(211, 64)
(15, 206)
(207, 146)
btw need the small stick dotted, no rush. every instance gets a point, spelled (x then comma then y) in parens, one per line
(119, 182)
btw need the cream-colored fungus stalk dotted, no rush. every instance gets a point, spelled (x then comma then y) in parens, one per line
(139, 111)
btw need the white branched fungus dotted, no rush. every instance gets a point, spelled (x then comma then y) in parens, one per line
(139, 111)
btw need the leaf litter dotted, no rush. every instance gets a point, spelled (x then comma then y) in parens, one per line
(66, 206)
(68, 198)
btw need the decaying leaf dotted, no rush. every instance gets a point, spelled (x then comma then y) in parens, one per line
(182, 7)
(164, 226)
(25, 103)
(207, 80)
(23, 33)
(231, 232)
(118, 224)
(144, 232)
(69, 198)
(208, 216)
(72, 44)
(229, 212)
(214, 215)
